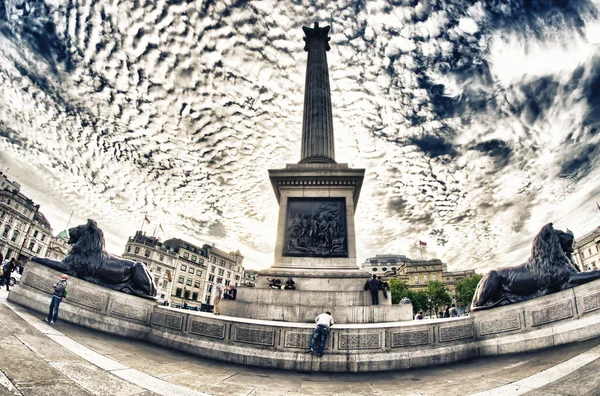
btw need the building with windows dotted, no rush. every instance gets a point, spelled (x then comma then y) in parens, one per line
(223, 267)
(384, 263)
(24, 230)
(452, 277)
(587, 251)
(58, 248)
(160, 258)
(189, 283)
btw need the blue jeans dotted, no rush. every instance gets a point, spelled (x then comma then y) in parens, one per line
(54, 307)
(320, 331)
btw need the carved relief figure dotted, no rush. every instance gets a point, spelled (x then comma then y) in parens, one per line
(549, 269)
(316, 228)
(89, 261)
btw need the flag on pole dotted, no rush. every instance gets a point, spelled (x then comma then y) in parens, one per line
(147, 219)
(597, 204)
(160, 226)
(421, 243)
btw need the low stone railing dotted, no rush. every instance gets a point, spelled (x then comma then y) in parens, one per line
(568, 316)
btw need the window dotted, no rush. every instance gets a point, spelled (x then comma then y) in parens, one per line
(178, 292)
(35, 233)
(31, 245)
(191, 270)
(147, 253)
(137, 250)
(195, 296)
(213, 259)
(221, 262)
(183, 267)
(15, 236)
(201, 261)
(227, 282)
(43, 237)
(416, 279)
(39, 249)
(129, 249)
(186, 255)
(374, 269)
(237, 277)
(181, 279)
(393, 268)
(197, 284)
(156, 280)
(188, 282)
(384, 269)
(209, 288)
(10, 220)
(425, 279)
(589, 252)
(221, 271)
(161, 257)
(211, 278)
(198, 272)
(424, 268)
(433, 277)
(162, 296)
(219, 280)
(157, 270)
(229, 274)
(212, 269)
(194, 258)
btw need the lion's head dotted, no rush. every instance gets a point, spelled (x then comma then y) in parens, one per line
(549, 261)
(88, 241)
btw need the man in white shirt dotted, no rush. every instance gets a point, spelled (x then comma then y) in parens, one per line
(323, 322)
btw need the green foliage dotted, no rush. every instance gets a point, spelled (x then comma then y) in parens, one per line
(419, 301)
(399, 290)
(465, 289)
(439, 295)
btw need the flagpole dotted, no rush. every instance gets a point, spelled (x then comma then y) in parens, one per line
(154, 233)
(69, 221)
(143, 221)
(421, 249)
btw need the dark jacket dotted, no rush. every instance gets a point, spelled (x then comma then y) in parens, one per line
(231, 294)
(8, 268)
(373, 284)
(59, 288)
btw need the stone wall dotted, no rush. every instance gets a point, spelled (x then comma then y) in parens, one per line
(569, 316)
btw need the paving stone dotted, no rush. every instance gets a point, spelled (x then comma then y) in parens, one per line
(582, 382)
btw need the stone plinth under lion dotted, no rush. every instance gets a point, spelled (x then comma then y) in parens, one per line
(549, 269)
(88, 260)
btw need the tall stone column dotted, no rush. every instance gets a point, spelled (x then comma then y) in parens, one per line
(317, 123)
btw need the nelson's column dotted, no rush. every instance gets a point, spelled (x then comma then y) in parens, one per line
(316, 241)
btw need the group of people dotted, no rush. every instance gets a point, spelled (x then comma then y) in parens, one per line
(8, 266)
(450, 312)
(374, 285)
(223, 292)
(275, 283)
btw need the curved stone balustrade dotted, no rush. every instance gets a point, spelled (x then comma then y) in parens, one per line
(568, 316)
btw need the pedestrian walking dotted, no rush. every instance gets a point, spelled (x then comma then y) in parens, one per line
(323, 323)
(373, 286)
(219, 294)
(7, 269)
(60, 292)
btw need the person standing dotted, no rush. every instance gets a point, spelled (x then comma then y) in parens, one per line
(453, 311)
(323, 323)
(383, 286)
(60, 292)
(219, 291)
(373, 286)
(7, 270)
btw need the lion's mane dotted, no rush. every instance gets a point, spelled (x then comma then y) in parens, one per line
(88, 252)
(548, 263)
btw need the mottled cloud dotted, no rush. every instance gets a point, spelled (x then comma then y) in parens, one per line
(477, 123)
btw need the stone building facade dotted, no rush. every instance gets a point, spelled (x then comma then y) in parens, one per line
(58, 248)
(223, 267)
(189, 281)
(452, 277)
(587, 250)
(24, 230)
(160, 258)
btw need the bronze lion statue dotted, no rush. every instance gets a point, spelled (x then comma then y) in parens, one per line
(89, 261)
(549, 269)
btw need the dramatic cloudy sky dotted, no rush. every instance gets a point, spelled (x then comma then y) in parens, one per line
(477, 122)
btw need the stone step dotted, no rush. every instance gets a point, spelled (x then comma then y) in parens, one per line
(303, 297)
(308, 313)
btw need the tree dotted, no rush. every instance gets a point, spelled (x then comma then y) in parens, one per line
(419, 300)
(438, 294)
(465, 289)
(399, 290)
